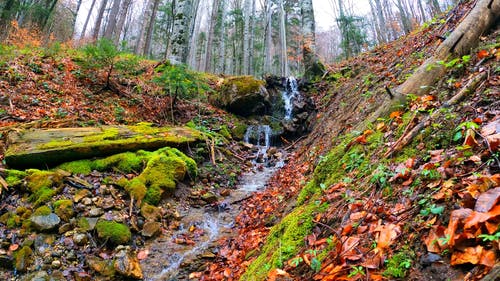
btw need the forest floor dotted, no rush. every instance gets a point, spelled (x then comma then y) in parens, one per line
(348, 205)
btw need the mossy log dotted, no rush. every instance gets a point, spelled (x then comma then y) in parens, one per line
(49, 147)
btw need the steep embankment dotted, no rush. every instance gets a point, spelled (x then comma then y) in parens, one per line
(391, 201)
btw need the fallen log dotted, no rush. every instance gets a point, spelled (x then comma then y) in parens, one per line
(49, 147)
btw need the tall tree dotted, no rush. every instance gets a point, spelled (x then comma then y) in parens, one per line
(151, 25)
(99, 19)
(109, 31)
(268, 31)
(209, 65)
(124, 11)
(181, 29)
(84, 29)
(283, 54)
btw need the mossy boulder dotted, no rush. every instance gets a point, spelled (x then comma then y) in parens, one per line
(64, 209)
(43, 185)
(113, 232)
(14, 177)
(243, 95)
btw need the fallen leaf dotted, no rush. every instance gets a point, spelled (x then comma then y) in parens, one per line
(13, 247)
(474, 255)
(432, 239)
(395, 114)
(477, 217)
(142, 254)
(456, 217)
(195, 275)
(487, 200)
(482, 54)
(388, 233)
(273, 274)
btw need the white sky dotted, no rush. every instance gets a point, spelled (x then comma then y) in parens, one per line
(324, 13)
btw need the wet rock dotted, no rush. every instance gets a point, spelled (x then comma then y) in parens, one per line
(103, 267)
(37, 276)
(150, 212)
(108, 203)
(209, 197)
(95, 212)
(45, 223)
(82, 276)
(127, 265)
(429, 259)
(151, 229)
(65, 228)
(86, 201)
(57, 276)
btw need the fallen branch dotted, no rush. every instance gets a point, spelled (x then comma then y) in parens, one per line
(408, 137)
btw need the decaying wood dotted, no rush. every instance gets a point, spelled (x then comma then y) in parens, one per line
(460, 42)
(406, 138)
(49, 147)
(493, 274)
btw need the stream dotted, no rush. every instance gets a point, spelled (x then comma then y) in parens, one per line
(173, 257)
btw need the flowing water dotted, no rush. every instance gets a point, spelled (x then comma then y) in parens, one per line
(173, 256)
(289, 95)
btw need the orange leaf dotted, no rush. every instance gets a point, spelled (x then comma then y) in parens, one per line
(455, 218)
(432, 240)
(227, 272)
(482, 54)
(142, 254)
(388, 233)
(478, 217)
(474, 255)
(395, 114)
(273, 274)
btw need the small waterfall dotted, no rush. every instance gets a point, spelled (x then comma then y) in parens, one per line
(291, 92)
(260, 136)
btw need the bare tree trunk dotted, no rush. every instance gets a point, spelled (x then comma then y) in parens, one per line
(405, 22)
(246, 36)
(422, 11)
(149, 33)
(121, 20)
(252, 41)
(109, 32)
(98, 23)
(283, 55)
(268, 38)
(181, 29)
(84, 29)
(140, 38)
(209, 65)
(75, 15)
(221, 62)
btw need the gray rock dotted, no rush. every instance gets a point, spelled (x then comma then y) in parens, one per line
(80, 239)
(37, 276)
(45, 223)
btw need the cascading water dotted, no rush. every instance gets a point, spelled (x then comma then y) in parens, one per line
(260, 136)
(291, 92)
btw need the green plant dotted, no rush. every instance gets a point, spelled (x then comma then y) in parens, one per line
(356, 270)
(490, 237)
(102, 54)
(462, 128)
(398, 264)
(381, 176)
(428, 208)
(353, 161)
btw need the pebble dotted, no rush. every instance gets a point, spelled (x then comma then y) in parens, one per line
(95, 212)
(86, 201)
(80, 239)
(56, 264)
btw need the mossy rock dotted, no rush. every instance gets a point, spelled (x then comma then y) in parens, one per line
(113, 232)
(64, 209)
(136, 188)
(42, 211)
(150, 212)
(243, 95)
(163, 171)
(23, 258)
(43, 185)
(48, 147)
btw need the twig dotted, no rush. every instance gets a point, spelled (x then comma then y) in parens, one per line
(3, 184)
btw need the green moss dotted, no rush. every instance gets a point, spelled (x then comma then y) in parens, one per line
(107, 134)
(283, 242)
(83, 224)
(14, 177)
(23, 258)
(224, 131)
(238, 130)
(55, 144)
(136, 188)
(153, 195)
(64, 209)
(243, 84)
(42, 211)
(41, 179)
(113, 232)
(13, 220)
(42, 195)
(83, 167)
(307, 192)
(162, 172)
(126, 162)
(192, 168)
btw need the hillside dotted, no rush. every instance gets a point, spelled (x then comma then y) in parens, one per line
(413, 195)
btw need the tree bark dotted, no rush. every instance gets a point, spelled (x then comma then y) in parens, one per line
(109, 32)
(98, 23)
(84, 29)
(246, 36)
(268, 38)
(283, 55)
(209, 65)
(149, 33)
(180, 33)
(221, 62)
(121, 21)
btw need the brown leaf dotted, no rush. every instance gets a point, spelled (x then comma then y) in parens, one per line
(273, 274)
(487, 200)
(474, 255)
(388, 233)
(477, 217)
(142, 254)
(432, 240)
(482, 54)
(456, 217)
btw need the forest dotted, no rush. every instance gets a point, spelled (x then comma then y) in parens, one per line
(249, 140)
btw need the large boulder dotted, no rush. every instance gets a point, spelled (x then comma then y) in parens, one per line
(244, 96)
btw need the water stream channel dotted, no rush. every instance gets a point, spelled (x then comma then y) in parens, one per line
(170, 260)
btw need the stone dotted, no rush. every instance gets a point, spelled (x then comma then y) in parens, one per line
(82, 276)
(37, 276)
(57, 276)
(95, 212)
(82, 193)
(103, 267)
(55, 264)
(65, 228)
(45, 223)
(80, 239)
(209, 197)
(151, 229)
(86, 201)
(127, 265)
(150, 212)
